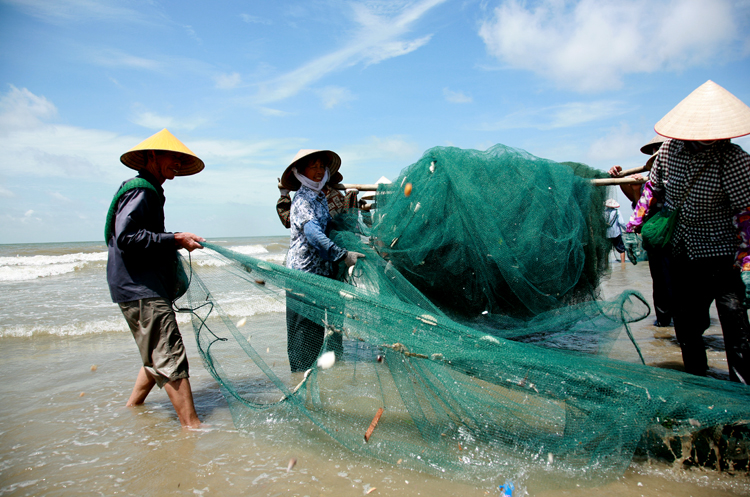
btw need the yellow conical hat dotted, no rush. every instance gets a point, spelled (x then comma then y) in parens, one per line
(163, 140)
(709, 113)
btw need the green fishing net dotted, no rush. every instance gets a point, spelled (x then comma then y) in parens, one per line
(474, 323)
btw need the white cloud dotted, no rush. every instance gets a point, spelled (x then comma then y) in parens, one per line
(456, 97)
(117, 58)
(620, 142)
(559, 116)
(381, 25)
(20, 109)
(81, 168)
(228, 81)
(33, 146)
(255, 19)
(395, 148)
(191, 33)
(590, 45)
(331, 96)
(267, 111)
(59, 196)
(79, 10)
(151, 120)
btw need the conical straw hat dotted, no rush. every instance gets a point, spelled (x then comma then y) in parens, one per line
(329, 158)
(709, 113)
(166, 141)
(653, 145)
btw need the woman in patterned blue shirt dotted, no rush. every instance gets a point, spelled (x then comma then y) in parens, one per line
(310, 249)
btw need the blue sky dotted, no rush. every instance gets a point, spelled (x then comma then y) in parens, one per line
(246, 84)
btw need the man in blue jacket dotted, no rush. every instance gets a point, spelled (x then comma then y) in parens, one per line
(141, 264)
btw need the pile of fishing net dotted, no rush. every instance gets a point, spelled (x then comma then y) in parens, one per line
(473, 323)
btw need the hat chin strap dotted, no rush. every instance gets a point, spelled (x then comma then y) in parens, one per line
(312, 185)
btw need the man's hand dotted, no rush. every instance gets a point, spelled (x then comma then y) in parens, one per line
(614, 171)
(188, 241)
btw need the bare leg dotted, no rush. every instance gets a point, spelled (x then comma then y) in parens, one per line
(143, 385)
(622, 257)
(182, 399)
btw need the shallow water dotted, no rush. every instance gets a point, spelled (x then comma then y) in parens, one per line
(64, 429)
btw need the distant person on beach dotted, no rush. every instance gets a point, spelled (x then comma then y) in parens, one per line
(310, 249)
(141, 264)
(658, 262)
(615, 226)
(700, 174)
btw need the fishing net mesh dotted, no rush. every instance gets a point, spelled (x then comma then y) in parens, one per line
(473, 321)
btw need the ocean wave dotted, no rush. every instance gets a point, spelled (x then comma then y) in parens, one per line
(209, 258)
(236, 308)
(66, 330)
(41, 266)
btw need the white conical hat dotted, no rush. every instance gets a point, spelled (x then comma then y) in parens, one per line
(709, 113)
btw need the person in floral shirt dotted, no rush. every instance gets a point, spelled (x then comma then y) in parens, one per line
(310, 249)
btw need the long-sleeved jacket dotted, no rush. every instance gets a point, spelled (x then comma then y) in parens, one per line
(141, 256)
(310, 249)
(337, 204)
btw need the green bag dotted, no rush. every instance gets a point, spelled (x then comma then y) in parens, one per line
(658, 230)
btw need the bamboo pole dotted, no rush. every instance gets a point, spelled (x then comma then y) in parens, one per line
(362, 188)
(635, 170)
(619, 180)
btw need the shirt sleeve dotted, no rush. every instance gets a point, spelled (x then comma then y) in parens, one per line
(736, 184)
(742, 222)
(350, 200)
(315, 235)
(642, 207)
(283, 206)
(135, 229)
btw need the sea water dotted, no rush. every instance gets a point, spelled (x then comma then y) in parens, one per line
(68, 363)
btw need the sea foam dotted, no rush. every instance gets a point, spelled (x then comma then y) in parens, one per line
(41, 266)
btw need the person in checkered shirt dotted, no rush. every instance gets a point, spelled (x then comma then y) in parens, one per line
(699, 172)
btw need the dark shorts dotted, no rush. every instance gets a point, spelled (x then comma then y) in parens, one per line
(154, 327)
(618, 244)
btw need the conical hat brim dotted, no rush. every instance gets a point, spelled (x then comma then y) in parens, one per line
(164, 141)
(328, 157)
(653, 145)
(709, 113)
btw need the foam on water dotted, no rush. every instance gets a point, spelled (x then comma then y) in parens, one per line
(41, 266)
(200, 258)
(65, 329)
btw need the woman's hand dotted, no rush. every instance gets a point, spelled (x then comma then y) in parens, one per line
(350, 258)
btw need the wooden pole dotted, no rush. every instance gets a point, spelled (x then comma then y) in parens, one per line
(620, 180)
(362, 188)
(635, 170)
(617, 181)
